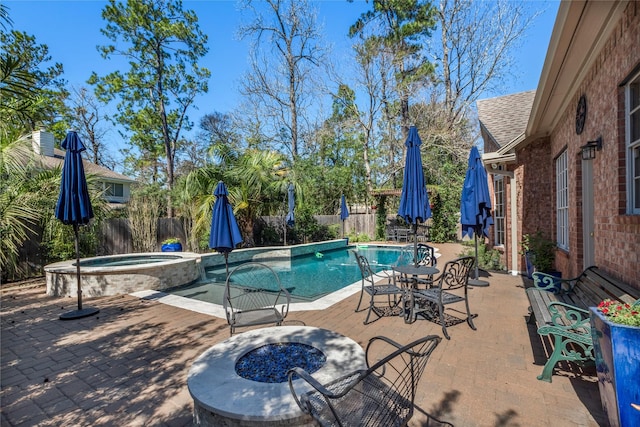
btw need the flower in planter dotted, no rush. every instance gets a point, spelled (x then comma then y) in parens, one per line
(171, 240)
(621, 313)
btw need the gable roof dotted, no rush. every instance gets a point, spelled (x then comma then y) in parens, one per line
(90, 168)
(505, 118)
(579, 34)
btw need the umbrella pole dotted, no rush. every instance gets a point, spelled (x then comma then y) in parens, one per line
(226, 262)
(415, 244)
(80, 312)
(475, 238)
(75, 232)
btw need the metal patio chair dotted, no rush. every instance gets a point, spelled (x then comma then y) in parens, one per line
(253, 295)
(381, 395)
(376, 285)
(426, 257)
(451, 287)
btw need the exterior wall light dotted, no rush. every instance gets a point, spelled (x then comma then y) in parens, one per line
(589, 149)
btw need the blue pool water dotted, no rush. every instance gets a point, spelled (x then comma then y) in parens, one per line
(307, 277)
(126, 260)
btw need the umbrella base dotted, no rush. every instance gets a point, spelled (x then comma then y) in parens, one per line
(78, 314)
(476, 282)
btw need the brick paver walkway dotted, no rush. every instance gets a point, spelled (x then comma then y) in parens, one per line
(128, 365)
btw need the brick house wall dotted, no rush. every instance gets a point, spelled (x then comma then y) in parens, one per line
(616, 234)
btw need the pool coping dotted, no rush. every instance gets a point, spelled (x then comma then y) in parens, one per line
(218, 311)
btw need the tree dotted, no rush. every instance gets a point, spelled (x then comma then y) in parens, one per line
(87, 119)
(32, 93)
(256, 180)
(162, 44)
(334, 165)
(280, 83)
(477, 39)
(400, 28)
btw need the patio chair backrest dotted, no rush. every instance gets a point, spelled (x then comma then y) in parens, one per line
(254, 295)
(426, 255)
(455, 274)
(365, 269)
(383, 395)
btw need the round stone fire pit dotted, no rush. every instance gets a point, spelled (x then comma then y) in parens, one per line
(228, 391)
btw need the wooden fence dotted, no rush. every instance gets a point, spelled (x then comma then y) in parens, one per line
(116, 232)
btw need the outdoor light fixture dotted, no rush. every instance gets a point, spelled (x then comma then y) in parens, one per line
(589, 149)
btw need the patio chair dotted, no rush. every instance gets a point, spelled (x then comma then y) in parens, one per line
(390, 233)
(402, 234)
(253, 295)
(451, 287)
(426, 257)
(376, 285)
(381, 395)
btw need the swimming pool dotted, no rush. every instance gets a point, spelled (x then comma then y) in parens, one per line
(306, 277)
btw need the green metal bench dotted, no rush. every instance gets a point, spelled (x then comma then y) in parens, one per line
(560, 308)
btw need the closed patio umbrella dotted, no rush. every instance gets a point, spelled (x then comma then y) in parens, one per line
(475, 203)
(291, 203)
(74, 207)
(414, 200)
(225, 234)
(344, 212)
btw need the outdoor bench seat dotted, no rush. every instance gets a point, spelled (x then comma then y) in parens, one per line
(560, 308)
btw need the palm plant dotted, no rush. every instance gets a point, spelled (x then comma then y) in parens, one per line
(256, 181)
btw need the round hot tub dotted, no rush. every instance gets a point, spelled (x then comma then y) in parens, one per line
(242, 380)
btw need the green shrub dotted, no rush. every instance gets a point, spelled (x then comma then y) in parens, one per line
(487, 259)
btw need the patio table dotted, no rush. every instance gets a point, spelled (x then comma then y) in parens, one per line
(408, 284)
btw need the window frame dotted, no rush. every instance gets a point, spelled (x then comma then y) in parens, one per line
(632, 147)
(562, 200)
(499, 210)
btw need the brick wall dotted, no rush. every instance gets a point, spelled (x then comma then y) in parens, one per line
(616, 235)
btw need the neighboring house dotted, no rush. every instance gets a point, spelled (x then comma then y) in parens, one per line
(116, 187)
(565, 159)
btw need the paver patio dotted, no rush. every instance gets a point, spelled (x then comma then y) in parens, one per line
(128, 365)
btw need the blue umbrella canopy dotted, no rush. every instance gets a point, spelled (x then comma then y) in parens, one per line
(475, 203)
(414, 200)
(74, 207)
(292, 204)
(344, 211)
(225, 233)
(74, 203)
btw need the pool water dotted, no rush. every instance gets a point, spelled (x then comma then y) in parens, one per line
(124, 260)
(307, 277)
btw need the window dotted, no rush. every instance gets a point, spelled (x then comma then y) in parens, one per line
(562, 201)
(633, 145)
(498, 212)
(114, 190)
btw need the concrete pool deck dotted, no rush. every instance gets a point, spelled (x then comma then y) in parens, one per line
(128, 365)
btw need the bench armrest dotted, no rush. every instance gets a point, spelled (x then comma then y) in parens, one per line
(577, 318)
(549, 283)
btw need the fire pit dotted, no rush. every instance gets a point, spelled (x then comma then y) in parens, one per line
(242, 381)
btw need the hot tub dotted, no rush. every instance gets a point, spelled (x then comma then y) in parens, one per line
(123, 274)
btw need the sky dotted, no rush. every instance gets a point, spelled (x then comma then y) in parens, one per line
(71, 30)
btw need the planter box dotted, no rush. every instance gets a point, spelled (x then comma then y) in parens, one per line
(617, 352)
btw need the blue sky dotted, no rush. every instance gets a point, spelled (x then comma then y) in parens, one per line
(71, 30)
